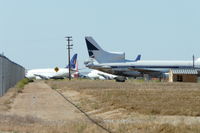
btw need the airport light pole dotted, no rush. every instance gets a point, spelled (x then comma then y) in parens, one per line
(69, 47)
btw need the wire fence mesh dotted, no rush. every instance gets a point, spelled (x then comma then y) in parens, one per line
(10, 74)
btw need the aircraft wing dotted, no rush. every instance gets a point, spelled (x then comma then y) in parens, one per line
(41, 76)
(105, 76)
(130, 71)
(142, 70)
(146, 70)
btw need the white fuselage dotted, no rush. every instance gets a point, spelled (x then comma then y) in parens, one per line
(47, 73)
(138, 67)
(155, 64)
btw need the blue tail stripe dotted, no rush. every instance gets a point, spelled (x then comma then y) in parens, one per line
(73, 62)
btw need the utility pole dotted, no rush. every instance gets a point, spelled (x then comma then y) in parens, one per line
(69, 47)
(193, 59)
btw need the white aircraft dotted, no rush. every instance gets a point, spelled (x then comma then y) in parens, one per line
(96, 74)
(115, 63)
(50, 73)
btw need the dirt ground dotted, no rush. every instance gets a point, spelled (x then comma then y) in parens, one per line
(40, 109)
(39, 100)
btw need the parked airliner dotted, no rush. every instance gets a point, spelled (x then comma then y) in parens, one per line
(53, 73)
(115, 63)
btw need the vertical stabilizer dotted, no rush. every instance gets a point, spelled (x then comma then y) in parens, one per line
(73, 62)
(138, 57)
(101, 56)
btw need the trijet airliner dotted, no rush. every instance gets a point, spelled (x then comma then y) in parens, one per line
(115, 63)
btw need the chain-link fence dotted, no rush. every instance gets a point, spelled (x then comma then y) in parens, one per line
(10, 74)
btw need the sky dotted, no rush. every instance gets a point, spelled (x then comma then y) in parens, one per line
(32, 31)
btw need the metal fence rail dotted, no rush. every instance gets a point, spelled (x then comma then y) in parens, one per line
(10, 74)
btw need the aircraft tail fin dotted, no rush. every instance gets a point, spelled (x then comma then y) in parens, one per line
(101, 56)
(73, 62)
(138, 57)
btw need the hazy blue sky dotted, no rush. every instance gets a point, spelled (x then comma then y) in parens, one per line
(32, 31)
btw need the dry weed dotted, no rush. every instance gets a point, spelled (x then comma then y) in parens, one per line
(142, 97)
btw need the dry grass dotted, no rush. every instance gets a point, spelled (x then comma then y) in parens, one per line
(154, 128)
(34, 125)
(20, 85)
(30, 124)
(144, 98)
(8, 98)
(10, 123)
